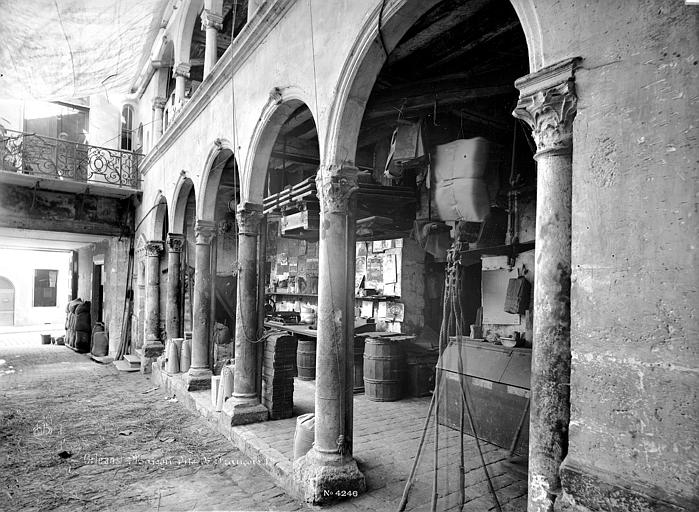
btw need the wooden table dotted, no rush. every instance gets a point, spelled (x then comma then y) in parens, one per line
(301, 329)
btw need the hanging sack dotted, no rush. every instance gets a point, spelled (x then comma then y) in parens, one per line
(518, 295)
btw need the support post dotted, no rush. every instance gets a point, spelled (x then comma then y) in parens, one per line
(158, 108)
(152, 346)
(329, 466)
(173, 325)
(244, 406)
(199, 375)
(548, 104)
(181, 73)
(212, 22)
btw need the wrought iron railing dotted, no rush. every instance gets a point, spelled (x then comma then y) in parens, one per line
(40, 156)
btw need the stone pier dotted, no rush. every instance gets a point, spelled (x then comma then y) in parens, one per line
(199, 375)
(329, 466)
(152, 346)
(173, 324)
(244, 406)
(548, 104)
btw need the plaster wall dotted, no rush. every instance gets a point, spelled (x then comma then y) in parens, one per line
(634, 237)
(114, 253)
(18, 266)
(26, 208)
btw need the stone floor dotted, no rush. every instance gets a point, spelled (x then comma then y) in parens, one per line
(386, 438)
(78, 435)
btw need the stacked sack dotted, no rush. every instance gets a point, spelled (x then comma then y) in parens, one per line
(70, 321)
(278, 372)
(82, 327)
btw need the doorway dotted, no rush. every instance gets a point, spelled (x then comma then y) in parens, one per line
(7, 302)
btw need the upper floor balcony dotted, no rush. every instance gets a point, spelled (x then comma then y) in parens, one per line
(36, 160)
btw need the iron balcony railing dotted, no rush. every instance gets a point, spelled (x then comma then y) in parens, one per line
(40, 156)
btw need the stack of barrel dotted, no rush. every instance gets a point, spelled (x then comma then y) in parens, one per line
(278, 371)
(384, 368)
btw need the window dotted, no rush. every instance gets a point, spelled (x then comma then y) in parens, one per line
(57, 120)
(45, 288)
(127, 128)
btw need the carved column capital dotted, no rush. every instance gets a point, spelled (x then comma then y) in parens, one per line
(335, 186)
(249, 216)
(159, 103)
(182, 70)
(175, 242)
(210, 19)
(548, 104)
(204, 231)
(154, 248)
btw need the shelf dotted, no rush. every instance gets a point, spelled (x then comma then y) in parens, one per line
(501, 250)
(369, 297)
(287, 294)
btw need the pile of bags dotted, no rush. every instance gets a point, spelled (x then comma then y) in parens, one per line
(78, 324)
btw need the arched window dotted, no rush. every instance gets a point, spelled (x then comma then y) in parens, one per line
(127, 115)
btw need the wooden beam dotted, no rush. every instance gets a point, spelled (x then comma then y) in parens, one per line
(390, 106)
(300, 159)
(433, 26)
(483, 38)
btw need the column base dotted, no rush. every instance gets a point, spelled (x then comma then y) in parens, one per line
(322, 478)
(198, 378)
(150, 352)
(243, 413)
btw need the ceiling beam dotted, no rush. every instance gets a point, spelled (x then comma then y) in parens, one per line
(390, 106)
(433, 26)
(483, 38)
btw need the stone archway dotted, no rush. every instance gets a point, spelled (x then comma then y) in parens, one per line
(368, 55)
(547, 103)
(280, 106)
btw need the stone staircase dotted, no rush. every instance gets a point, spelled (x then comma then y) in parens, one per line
(130, 363)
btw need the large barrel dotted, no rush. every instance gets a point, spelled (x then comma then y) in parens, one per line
(384, 366)
(304, 435)
(306, 359)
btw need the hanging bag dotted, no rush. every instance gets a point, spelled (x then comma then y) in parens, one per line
(518, 294)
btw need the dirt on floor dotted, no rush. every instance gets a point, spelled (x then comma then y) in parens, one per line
(79, 435)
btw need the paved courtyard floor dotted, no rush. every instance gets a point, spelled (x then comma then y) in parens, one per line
(78, 435)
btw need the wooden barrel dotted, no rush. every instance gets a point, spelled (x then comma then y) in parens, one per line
(306, 359)
(384, 366)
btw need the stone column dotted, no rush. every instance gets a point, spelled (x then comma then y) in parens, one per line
(199, 375)
(181, 73)
(329, 467)
(140, 328)
(548, 104)
(152, 346)
(244, 406)
(158, 108)
(173, 326)
(212, 22)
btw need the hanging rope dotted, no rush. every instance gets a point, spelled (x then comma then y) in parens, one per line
(452, 321)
